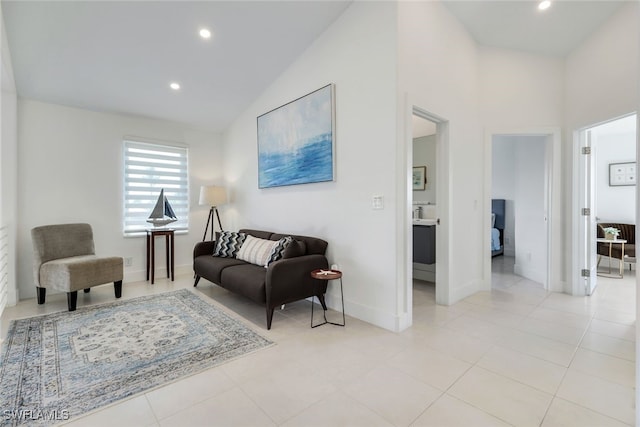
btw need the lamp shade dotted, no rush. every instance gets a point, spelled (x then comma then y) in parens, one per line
(213, 195)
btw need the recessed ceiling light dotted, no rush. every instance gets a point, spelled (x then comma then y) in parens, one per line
(205, 34)
(175, 86)
(544, 5)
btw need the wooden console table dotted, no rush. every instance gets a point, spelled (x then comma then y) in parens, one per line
(151, 251)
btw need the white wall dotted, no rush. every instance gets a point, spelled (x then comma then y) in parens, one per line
(424, 154)
(438, 72)
(523, 93)
(70, 170)
(618, 203)
(520, 90)
(8, 159)
(602, 74)
(357, 53)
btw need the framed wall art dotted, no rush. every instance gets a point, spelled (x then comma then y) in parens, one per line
(621, 174)
(419, 177)
(296, 142)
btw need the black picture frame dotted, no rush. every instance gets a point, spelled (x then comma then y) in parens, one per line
(622, 174)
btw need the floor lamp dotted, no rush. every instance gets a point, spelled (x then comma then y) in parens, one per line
(213, 196)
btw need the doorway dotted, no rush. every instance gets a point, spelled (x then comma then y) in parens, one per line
(424, 204)
(519, 204)
(605, 164)
(541, 259)
(441, 215)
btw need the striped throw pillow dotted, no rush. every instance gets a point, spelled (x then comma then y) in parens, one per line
(278, 249)
(256, 251)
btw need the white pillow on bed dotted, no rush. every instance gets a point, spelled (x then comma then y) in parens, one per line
(493, 220)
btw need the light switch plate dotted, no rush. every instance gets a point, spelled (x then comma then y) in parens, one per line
(377, 202)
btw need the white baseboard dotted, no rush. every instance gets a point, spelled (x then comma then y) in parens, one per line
(534, 274)
(365, 313)
(161, 272)
(332, 298)
(461, 292)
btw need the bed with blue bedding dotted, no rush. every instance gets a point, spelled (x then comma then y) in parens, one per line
(497, 226)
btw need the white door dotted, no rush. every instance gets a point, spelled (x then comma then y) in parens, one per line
(587, 203)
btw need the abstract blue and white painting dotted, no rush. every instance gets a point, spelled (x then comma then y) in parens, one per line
(296, 141)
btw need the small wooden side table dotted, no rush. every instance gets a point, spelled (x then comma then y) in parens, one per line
(328, 275)
(151, 251)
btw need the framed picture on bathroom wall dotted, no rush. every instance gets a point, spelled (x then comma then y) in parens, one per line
(419, 177)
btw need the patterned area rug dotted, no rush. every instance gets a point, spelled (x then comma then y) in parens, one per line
(57, 366)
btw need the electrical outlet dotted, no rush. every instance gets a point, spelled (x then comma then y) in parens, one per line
(128, 262)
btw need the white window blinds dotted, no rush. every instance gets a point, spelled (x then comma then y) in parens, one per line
(149, 168)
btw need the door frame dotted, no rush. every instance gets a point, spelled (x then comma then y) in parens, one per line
(553, 202)
(584, 245)
(577, 286)
(405, 208)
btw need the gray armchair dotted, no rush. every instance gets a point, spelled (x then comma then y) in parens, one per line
(65, 260)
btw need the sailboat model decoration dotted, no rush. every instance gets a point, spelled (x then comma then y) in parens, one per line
(162, 213)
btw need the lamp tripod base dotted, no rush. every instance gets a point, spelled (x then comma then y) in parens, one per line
(210, 221)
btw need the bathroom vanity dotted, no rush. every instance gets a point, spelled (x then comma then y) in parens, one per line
(424, 249)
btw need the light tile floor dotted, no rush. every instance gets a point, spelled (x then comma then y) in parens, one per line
(514, 356)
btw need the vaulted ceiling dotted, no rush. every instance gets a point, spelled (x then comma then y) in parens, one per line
(121, 56)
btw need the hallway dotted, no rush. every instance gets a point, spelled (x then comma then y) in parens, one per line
(535, 355)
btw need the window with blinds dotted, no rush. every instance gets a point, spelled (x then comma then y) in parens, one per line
(149, 168)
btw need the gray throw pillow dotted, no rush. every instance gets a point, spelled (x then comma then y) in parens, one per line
(295, 249)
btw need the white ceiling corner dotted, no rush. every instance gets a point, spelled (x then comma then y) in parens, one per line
(518, 24)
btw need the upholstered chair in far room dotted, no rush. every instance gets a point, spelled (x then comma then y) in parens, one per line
(65, 260)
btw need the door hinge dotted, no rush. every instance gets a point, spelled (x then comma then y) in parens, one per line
(586, 211)
(585, 273)
(586, 150)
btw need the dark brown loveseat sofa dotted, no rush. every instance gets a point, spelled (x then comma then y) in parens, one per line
(627, 232)
(283, 281)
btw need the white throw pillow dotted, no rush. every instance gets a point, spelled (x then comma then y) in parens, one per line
(256, 251)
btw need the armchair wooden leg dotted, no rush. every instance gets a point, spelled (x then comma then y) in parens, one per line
(72, 298)
(42, 293)
(196, 282)
(118, 288)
